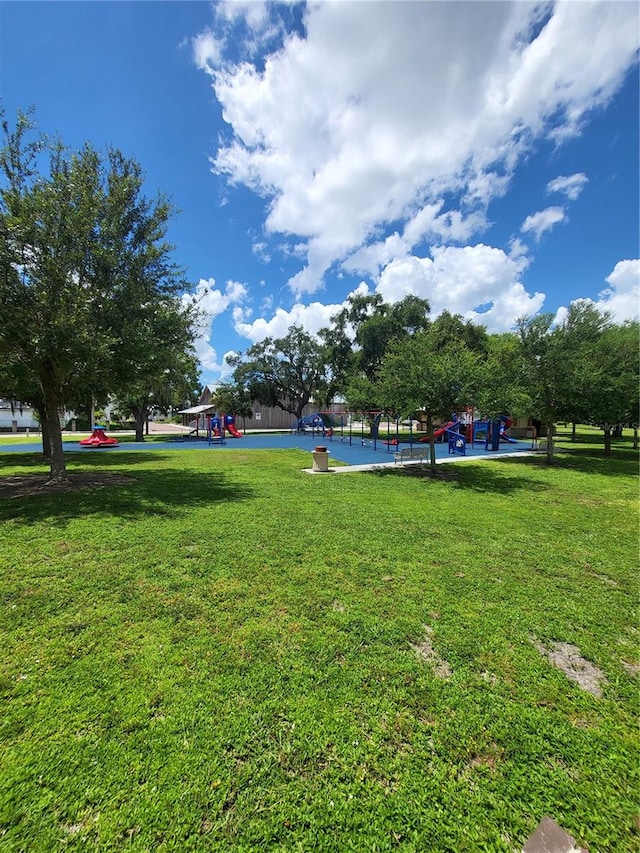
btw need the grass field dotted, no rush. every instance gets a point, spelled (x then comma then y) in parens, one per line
(228, 654)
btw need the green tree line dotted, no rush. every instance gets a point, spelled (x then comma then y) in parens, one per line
(397, 359)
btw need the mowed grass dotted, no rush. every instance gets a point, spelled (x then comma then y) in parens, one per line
(220, 655)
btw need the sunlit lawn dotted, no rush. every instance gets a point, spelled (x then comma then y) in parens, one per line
(220, 655)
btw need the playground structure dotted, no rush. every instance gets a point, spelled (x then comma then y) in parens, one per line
(99, 438)
(466, 429)
(218, 426)
(214, 426)
(462, 430)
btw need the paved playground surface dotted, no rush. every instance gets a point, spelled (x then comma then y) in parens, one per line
(356, 453)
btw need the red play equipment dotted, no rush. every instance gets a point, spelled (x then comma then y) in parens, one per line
(99, 439)
(230, 423)
(452, 425)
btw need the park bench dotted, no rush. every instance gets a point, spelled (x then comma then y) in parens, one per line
(539, 445)
(410, 454)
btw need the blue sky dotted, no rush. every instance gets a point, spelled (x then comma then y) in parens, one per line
(482, 155)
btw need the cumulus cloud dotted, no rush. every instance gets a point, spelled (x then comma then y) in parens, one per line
(207, 51)
(622, 297)
(427, 224)
(443, 102)
(570, 185)
(542, 221)
(311, 317)
(261, 251)
(480, 282)
(212, 301)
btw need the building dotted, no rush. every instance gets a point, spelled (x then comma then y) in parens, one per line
(16, 416)
(264, 417)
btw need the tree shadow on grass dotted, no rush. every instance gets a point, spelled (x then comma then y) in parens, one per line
(477, 478)
(108, 458)
(589, 460)
(492, 478)
(166, 493)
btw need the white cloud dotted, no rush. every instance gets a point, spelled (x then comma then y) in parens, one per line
(207, 51)
(622, 297)
(480, 282)
(254, 11)
(444, 100)
(226, 370)
(519, 251)
(570, 185)
(311, 317)
(261, 252)
(427, 223)
(542, 221)
(212, 301)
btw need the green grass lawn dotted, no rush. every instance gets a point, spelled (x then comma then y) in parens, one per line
(222, 655)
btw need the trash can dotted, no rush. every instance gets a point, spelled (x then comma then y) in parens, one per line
(320, 459)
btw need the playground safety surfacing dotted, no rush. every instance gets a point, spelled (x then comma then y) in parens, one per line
(355, 454)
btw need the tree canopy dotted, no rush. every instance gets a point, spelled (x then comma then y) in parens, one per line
(394, 357)
(82, 256)
(421, 374)
(362, 332)
(284, 372)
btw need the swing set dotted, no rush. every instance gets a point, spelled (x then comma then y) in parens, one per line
(343, 426)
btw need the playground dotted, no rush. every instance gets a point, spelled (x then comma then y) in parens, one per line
(357, 451)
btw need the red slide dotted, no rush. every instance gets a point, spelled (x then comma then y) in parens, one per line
(231, 429)
(441, 431)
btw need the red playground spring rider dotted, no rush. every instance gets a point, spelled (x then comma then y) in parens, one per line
(98, 438)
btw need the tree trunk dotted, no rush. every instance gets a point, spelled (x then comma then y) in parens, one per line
(51, 424)
(432, 445)
(607, 438)
(635, 436)
(44, 427)
(573, 432)
(140, 416)
(550, 448)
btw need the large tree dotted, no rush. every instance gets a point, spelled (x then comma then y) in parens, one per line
(420, 374)
(613, 398)
(362, 332)
(233, 399)
(80, 247)
(285, 372)
(500, 388)
(560, 364)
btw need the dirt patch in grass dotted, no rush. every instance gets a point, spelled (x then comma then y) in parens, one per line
(27, 485)
(569, 660)
(426, 652)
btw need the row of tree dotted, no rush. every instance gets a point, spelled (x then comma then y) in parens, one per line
(94, 308)
(92, 304)
(395, 358)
